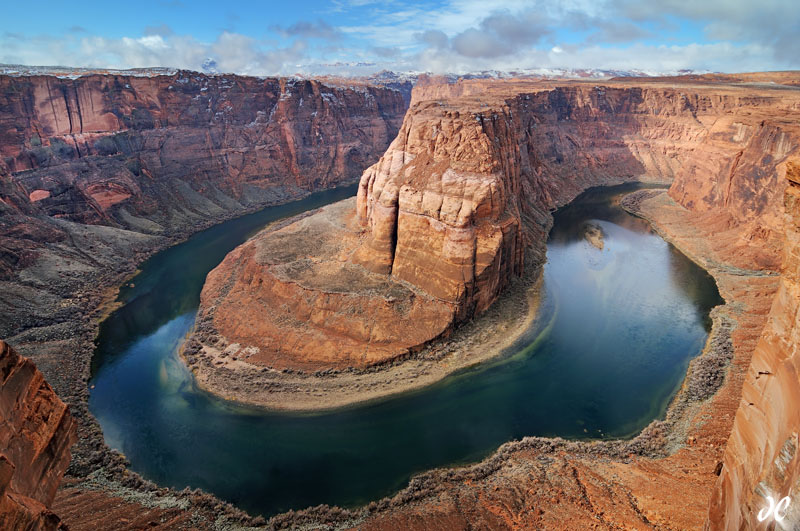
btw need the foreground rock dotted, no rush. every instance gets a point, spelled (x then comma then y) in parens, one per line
(36, 432)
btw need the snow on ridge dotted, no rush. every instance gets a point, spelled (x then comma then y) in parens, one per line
(69, 72)
(383, 77)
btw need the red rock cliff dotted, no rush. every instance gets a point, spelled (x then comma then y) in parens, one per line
(761, 457)
(159, 154)
(467, 185)
(36, 432)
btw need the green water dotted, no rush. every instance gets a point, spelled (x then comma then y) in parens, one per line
(616, 331)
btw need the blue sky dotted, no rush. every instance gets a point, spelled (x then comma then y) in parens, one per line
(363, 36)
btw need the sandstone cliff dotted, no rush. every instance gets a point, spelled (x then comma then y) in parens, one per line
(36, 432)
(160, 154)
(464, 189)
(761, 457)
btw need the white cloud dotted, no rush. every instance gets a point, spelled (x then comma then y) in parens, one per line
(232, 52)
(465, 35)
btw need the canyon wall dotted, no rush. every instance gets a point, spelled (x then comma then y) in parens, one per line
(100, 171)
(761, 458)
(158, 155)
(443, 205)
(467, 186)
(36, 432)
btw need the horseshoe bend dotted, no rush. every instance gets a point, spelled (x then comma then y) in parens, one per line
(434, 267)
(459, 207)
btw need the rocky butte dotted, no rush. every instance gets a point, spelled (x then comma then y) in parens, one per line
(454, 212)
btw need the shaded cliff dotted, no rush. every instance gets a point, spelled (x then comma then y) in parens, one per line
(36, 432)
(466, 186)
(160, 154)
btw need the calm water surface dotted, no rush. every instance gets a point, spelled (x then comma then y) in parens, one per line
(616, 331)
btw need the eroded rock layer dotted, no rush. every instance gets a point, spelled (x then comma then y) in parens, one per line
(761, 460)
(36, 432)
(159, 154)
(467, 185)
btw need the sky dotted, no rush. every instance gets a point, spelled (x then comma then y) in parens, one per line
(359, 37)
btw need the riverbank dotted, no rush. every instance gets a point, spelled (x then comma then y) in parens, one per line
(544, 467)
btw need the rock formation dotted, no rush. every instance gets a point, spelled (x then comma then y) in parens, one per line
(464, 188)
(160, 154)
(440, 224)
(761, 458)
(36, 432)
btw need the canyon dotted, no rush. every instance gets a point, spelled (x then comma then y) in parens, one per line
(456, 208)
(100, 171)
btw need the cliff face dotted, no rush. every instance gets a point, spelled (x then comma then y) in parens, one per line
(159, 154)
(761, 458)
(98, 172)
(466, 187)
(36, 432)
(443, 207)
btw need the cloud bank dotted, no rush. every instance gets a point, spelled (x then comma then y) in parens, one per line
(456, 36)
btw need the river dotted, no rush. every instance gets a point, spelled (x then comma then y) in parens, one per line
(619, 322)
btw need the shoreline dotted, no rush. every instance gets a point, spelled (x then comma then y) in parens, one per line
(485, 338)
(691, 434)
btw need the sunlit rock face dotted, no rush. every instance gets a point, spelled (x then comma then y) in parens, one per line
(761, 460)
(36, 432)
(465, 187)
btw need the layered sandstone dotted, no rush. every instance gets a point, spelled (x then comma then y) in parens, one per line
(435, 235)
(464, 189)
(761, 458)
(160, 154)
(36, 432)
